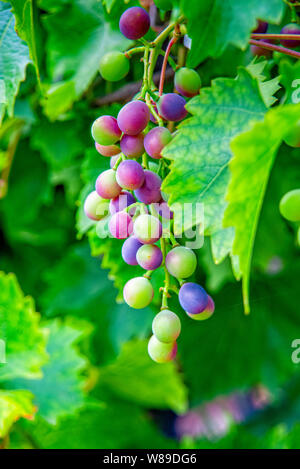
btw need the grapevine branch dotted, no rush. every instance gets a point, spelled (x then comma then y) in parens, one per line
(266, 45)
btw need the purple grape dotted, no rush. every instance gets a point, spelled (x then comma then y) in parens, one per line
(149, 257)
(149, 192)
(130, 174)
(107, 150)
(107, 186)
(133, 117)
(120, 225)
(164, 211)
(105, 130)
(261, 51)
(134, 23)
(123, 200)
(129, 250)
(171, 107)
(132, 145)
(193, 298)
(113, 161)
(156, 140)
(291, 28)
(261, 27)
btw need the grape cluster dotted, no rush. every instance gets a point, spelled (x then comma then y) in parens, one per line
(129, 193)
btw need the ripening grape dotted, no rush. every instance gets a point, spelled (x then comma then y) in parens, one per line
(292, 28)
(134, 23)
(166, 326)
(156, 140)
(290, 205)
(193, 298)
(138, 292)
(120, 225)
(149, 257)
(261, 27)
(130, 174)
(181, 262)
(260, 51)
(107, 186)
(107, 150)
(114, 66)
(149, 192)
(113, 161)
(187, 82)
(206, 314)
(95, 207)
(132, 145)
(171, 107)
(147, 229)
(119, 203)
(129, 250)
(161, 352)
(105, 130)
(293, 137)
(133, 117)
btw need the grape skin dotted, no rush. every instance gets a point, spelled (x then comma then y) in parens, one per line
(161, 352)
(147, 229)
(171, 107)
(107, 186)
(291, 28)
(107, 150)
(95, 207)
(181, 262)
(132, 145)
(149, 192)
(166, 326)
(187, 82)
(120, 225)
(123, 200)
(149, 257)
(133, 117)
(105, 130)
(206, 314)
(193, 298)
(156, 140)
(130, 175)
(129, 249)
(290, 205)
(138, 292)
(114, 66)
(134, 23)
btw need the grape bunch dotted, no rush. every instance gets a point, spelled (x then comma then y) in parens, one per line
(129, 195)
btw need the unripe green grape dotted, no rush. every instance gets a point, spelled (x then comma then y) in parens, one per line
(138, 292)
(290, 205)
(181, 262)
(293, 137)
(95, 207)
(161, 352)
(147, 229)
(187, 82)
(114, 66)
(166, 326)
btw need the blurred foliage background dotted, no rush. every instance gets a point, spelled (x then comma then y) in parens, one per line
(78, 374)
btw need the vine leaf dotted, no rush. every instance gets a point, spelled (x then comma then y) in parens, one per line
(254, 153)
(214, 24)
(200, 151)
(290, 79)
(14, 59)
(13, 406)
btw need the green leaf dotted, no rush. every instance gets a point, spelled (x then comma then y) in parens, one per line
(200, 150)
(214, 24)
(268, 88)
(147, 383)
(14, 59)
(20, 330)
(58, 98)
(60, 391)
(13, 406)
(290, 79)
(254, 153)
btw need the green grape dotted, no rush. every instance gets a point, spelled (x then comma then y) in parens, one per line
(114, 66)
(161, 352)
(289, 205)
(138, 292)
(181, 262)
(166, 326)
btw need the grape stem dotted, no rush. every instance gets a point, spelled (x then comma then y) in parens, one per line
(165, 289)
(176, 35)
(152, 110)
(134, 50)
(294, 37)
(118, 162)
(266, 45)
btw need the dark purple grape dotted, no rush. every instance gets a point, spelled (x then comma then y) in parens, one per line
(130, 174)
(122, 201)
(156, 140)
(105, 130)
(292, 28)
(149, 192)
(129, 250)
(120, 225)
(193, 298)
(107, 186)
(107, 150)
(149, 257)
(261, 27)
(132, 145)
(133, 117)
(134, 23)
(171, 107)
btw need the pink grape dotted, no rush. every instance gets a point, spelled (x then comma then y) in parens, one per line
(95, 207)
(119, 203)
(133, 117)
(161, 352)
(147, 229)
(261, 27)
(107, 186)
(107, 150)
(138, 292)
(105, 130)
(134, 23)
(130, 174)
(149, 257)
(129, 250)
(260, 51)
(171, 107)
(207, 313)
(149, 192)
(166, 326)
(132, 145)
(120, 225)
(156, 140)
